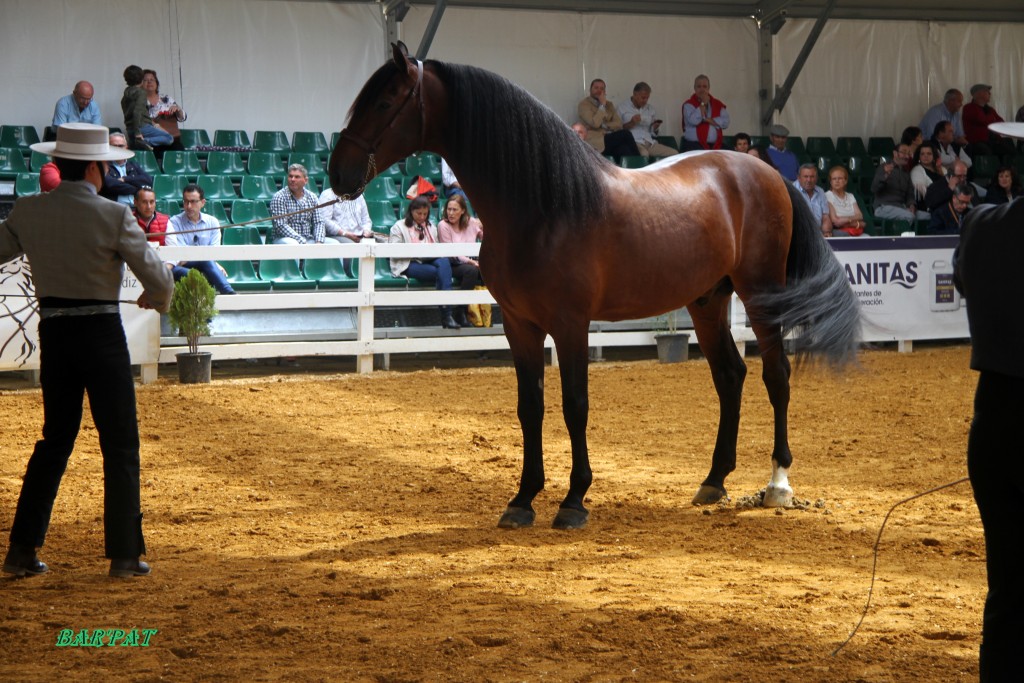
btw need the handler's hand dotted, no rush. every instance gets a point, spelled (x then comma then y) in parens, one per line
(143, 301)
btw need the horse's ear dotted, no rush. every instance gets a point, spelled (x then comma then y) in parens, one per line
(400, 53)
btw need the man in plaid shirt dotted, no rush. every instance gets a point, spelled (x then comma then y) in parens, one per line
(302, 228)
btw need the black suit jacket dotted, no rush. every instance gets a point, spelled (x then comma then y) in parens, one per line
(115, 185)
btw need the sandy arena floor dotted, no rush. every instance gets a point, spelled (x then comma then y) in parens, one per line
(308, 527)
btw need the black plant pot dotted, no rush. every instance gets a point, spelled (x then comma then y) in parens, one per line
(673, 347)
(194, 368)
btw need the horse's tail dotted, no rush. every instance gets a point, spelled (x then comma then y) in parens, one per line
(817, 304)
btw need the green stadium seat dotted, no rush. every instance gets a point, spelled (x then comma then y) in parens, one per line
(382, 214)
(170, 207)
(243, 277)
(258, 187)
(382, 277)
(795, 144)
(12, 162)
(330, 273)
(266, 163)
(633, 161)
(381, 188)
(847, 146)
(272, 141)
(311, 161)
(983, 168)
(169, 186)
(880, 146)
(215, 208)
(245, 210)
(225, 163)
(231, 138)
(821, 147)
(195, 137)
(334, 139)
(182, 163)
(18, 137)
(38, 159)
(424, 164)
(26, 184)
(285, 275)
(245, 235)
(670, 141)
(310, 143)
(394, 171)
(218, 188)
(147, 160)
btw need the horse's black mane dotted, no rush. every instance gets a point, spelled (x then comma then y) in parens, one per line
(502, 135)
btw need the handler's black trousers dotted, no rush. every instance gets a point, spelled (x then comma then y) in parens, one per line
(995, 462)
(79, 354)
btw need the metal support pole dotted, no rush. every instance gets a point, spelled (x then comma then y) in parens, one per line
(432, 24)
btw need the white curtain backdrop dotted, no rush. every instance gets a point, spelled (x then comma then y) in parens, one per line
(297, 65)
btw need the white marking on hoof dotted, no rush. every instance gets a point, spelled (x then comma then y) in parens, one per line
(778, 493)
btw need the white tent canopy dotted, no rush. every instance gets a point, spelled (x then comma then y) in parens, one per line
(298, 64)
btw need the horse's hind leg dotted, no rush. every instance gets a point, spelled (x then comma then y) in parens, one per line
(776, 372)
(573, 368)
(711, 323)
(527, 344)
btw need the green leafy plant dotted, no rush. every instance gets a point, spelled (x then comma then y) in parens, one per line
(192, 308)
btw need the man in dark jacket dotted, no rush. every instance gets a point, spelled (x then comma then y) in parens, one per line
(124, 177)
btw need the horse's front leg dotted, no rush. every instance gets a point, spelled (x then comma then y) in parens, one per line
(573, 358)
(527, 344)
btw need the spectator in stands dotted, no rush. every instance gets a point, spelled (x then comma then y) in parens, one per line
(302, 228)
(704, 117)
(949, 150)
(893, 189)
(782, 158)
(946, 219)
(459, 226)
(741, 143)
(141, 132)
(926, 169)
(163, 110)
(49, 176)
(762, 154)
(123, 177)
(449, 183)
(416, 228)
(193, 228)
(987, 271)
(640, 119)
(978, 114)
(580, 130)
(807, 184)
(940, 193)
(1005, 187)
(843, 210)
(912, 137)
(604, 125)
(78, 107)
(948, 110)
(152, 222)
(346, 222)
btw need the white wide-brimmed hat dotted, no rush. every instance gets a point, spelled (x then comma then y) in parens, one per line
(1007, 128)
(83, 141)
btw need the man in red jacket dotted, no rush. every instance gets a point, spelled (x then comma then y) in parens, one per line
(152, 222)
(977, 115)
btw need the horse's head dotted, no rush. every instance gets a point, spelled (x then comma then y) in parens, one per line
(386, 124)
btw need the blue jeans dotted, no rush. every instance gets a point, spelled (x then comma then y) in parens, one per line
(437, 272)
(78, 355)
(155, 137)
(209, 270)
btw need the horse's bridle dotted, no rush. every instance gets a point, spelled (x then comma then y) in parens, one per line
(371, 147)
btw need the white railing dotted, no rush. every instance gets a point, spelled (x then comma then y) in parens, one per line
(368, 342)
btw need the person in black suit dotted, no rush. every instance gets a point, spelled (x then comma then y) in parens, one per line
(987, 273)
(77, 244)
(123, 178)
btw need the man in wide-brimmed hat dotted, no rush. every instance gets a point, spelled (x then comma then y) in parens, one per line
(77, 244)
(988, 275)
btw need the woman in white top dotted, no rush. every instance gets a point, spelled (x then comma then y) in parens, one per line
(927, 169)
(847, 220)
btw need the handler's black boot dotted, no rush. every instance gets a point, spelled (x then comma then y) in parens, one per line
(21, 561)
(460, 316)
(128, 568)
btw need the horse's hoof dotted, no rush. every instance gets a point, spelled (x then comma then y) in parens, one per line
(570, 518)
(778, 497)
(708, 495)
(516, 518)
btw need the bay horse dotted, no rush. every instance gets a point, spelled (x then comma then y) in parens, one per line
(572, 238)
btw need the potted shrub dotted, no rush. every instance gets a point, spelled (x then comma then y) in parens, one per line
(673, 345)
(191, 310)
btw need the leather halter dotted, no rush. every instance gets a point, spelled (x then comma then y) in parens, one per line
(371, 147)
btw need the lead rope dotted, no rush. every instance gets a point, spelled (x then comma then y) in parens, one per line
(874, 563)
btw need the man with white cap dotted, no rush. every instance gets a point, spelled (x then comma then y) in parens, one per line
(987, 273)
(77, 244)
